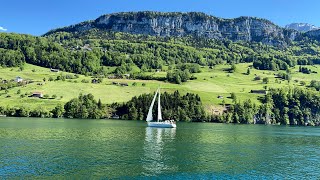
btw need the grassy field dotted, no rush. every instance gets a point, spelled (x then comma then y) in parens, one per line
(210, 84)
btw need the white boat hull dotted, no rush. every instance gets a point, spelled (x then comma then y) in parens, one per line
(162, 124)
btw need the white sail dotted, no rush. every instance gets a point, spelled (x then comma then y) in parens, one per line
(149, 117)
(159, 108)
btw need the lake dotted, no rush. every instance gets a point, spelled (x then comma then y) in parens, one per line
(108, 149)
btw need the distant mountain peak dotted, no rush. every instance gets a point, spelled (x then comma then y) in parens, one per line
(302, 27)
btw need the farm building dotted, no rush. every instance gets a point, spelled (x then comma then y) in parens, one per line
(18, 79)
(259, 91)
(37, 94)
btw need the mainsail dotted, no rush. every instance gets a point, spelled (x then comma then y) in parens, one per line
(149, 117)
(159, 108)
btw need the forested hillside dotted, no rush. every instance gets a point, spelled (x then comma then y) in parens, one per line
(87, 53)
(101, 52)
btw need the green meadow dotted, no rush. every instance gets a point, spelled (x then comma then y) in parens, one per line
(210, 84)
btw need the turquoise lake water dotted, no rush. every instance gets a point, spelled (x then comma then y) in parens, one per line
(106, 149)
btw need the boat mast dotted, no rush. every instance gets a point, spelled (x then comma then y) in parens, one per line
(159, 108)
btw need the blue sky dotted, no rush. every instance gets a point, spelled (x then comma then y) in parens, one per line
(38, 16)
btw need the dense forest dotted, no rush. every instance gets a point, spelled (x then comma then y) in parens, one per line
(280, 106)
(174, 106)
(89, 52)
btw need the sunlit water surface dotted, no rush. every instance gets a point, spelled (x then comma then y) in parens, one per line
(105, 149)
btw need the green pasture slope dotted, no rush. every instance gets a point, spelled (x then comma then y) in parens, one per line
(210, 84)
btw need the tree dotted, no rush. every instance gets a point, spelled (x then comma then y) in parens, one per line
(58, 111)
(133, 113)
(99, 104)
(265, 80)
(46, 96)
(233, 68)
(85, 106)
(248, 71)
(233, 97)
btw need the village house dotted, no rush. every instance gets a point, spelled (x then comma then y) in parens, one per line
(37, 94)
(127, 76)
(18, 79)
(115, 116)
(259, 91)
(86, 47)
(54, 70)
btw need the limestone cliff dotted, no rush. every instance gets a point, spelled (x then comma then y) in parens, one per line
(185, 24)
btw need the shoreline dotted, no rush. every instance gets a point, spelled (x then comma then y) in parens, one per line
(105, 119)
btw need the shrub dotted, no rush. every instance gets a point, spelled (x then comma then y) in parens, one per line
(265, 80)
(257, 78)
(46, 96)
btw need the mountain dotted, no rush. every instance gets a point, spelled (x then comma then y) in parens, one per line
(301, 27)
(314, 34)
(195, 24)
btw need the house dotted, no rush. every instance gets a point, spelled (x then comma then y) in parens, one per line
(115, 83)
(18, 79)
(115, 116)
(127, 76)
(259, 91)
(54, 70)
(37, 94)
(86, 47)
(4, 81)
(220, 97)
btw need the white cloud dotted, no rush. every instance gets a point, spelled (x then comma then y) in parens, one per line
(3, 29)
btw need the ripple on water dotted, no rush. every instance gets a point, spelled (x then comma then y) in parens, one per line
(45, 148)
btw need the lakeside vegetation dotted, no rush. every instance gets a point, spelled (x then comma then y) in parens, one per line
(211, 83)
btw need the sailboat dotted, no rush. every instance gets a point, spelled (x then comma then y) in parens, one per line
(159, 123)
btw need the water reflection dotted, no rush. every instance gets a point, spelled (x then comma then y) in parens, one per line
(158, 154)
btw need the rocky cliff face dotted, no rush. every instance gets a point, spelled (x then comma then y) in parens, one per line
(301, 27)
(195, 24)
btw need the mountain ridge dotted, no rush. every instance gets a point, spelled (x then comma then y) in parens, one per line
(198, 24)
(301, 27)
